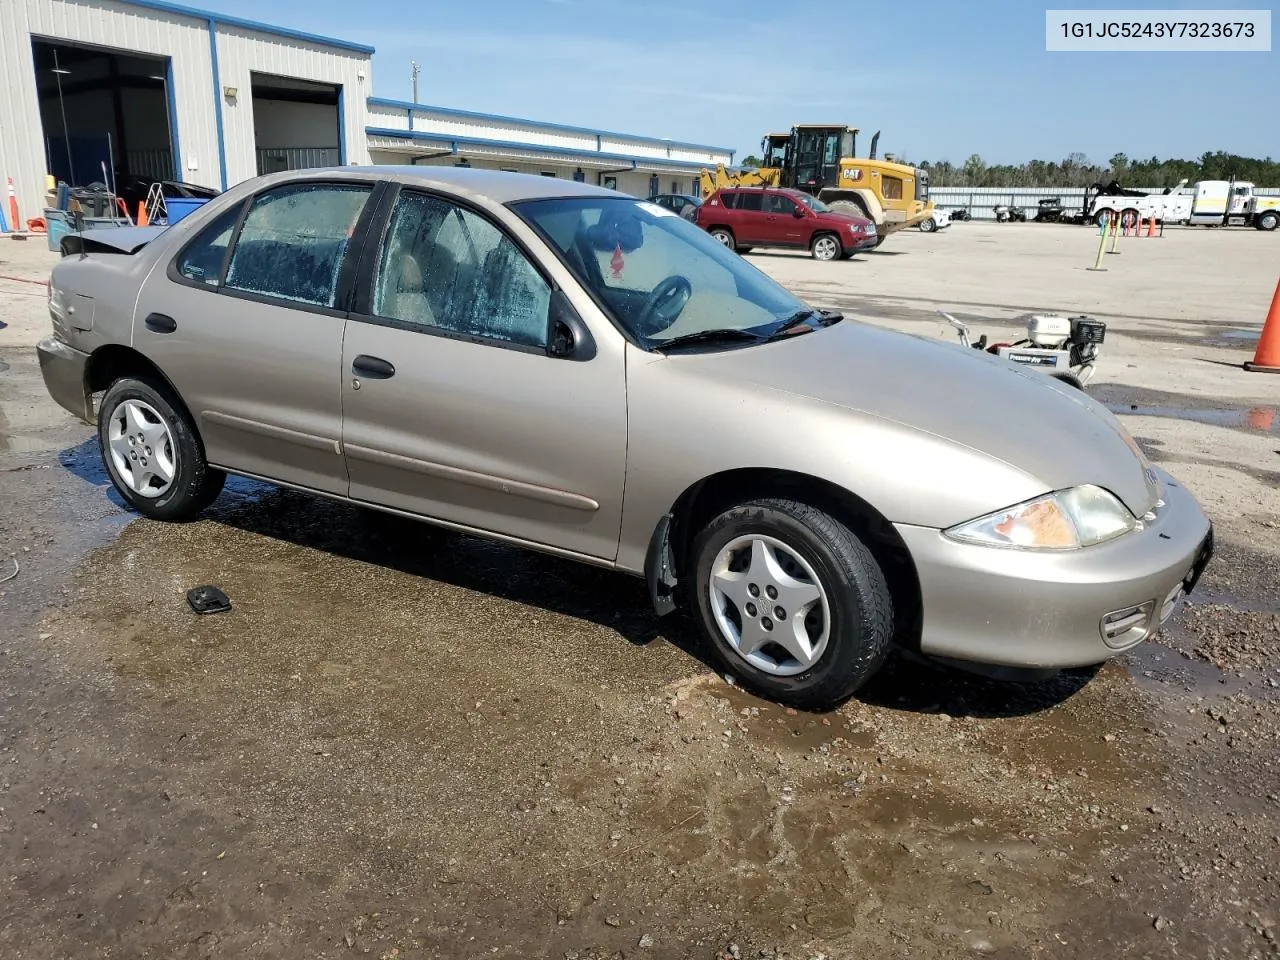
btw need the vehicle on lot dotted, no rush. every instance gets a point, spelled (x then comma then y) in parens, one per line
(1212, 203)
(1008, 213)
(765, 217)
(680, 203)
(823, 161)
(560, 367)
(1065, 348)
(938, 219)
(1049, 210)
(960, 213)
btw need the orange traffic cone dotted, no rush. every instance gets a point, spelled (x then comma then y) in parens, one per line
(1267, 357)
(1151, 226)
(13, 208)
(143, 219)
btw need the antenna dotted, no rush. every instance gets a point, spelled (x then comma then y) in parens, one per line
(415, 68)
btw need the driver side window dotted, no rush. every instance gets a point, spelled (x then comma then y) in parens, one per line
(446, 268)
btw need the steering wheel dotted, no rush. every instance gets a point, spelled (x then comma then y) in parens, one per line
(664, 304)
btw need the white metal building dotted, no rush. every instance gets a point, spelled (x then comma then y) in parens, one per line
(416, 133)
(159, 90)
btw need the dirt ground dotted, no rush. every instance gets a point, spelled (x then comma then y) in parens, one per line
(403, 743)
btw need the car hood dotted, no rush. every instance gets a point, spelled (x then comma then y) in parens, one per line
(839, 217)
(1038, 425)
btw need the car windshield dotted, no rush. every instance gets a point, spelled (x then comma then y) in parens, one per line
(813, 203)
(657, 274)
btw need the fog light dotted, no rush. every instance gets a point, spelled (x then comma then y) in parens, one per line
(1127, 626)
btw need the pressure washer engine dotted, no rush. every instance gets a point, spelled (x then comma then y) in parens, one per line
(1063, 347)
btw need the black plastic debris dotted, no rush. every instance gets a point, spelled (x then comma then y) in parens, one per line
(208, 599)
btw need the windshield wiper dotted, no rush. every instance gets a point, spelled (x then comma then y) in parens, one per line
(805, 318)
(717, 335)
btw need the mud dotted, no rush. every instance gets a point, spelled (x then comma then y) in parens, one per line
(404, 743)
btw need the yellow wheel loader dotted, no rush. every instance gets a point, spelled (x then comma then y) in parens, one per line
(823, 161)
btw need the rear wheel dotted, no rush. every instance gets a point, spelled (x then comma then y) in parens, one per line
(724, 236)
(791, 601)
(825, 246)
(928, 225)
(152, 453)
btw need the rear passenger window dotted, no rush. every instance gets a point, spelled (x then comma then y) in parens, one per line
(202, 259)
(293, 242)
(750, 201)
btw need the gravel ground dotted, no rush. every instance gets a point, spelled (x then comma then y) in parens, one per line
(403, 743)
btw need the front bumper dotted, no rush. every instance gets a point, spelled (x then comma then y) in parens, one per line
(1018, 608)
(63, 369)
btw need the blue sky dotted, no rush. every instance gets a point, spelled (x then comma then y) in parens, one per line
(941, 78)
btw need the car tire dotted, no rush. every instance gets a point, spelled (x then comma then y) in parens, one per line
(724, 236)
(826, 246)
(1269, 220)
(800, 552)
(152, 452)
(928, 225)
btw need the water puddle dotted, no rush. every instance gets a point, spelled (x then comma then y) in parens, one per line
(1158, 669)
(1266, 419)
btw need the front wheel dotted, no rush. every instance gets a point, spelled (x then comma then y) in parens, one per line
(1269, 220)
(152, 452)
(826, 247)
(791, 601)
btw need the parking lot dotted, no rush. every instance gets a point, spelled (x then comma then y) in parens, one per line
(407, 743)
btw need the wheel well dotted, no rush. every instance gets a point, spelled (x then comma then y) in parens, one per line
(826, 233)
(707, 498)
(721, 226)
(108, 364)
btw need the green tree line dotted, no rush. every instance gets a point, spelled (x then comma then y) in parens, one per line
(1077, 171)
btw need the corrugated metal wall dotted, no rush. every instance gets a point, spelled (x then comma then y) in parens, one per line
(184, 40)
(106, 24)
(980, 200)
(243, 52)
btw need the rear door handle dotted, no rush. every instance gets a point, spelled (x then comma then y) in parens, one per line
(159, 323)
(375, 368)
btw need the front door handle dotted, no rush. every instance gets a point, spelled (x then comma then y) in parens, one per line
(375, 368)
(159, 323)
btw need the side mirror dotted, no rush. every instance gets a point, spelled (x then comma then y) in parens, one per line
(569, 338)
(797, 212)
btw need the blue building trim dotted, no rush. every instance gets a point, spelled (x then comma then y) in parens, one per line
(217, 101)
(171, 104)
(447, 138)
(342, 126)
(590, 131)
(163, 6)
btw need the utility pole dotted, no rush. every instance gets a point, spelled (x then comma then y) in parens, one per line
(414, 69)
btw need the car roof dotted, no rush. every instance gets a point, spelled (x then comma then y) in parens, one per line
(497, 186)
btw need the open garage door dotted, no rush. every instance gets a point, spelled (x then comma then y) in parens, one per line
(296, 123)
(104, 110)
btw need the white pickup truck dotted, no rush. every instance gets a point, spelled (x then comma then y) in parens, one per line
(1209, 202)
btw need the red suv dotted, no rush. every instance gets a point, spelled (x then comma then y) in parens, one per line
(746, 217)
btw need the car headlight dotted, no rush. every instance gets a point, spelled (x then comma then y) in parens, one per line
(1065, 520)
